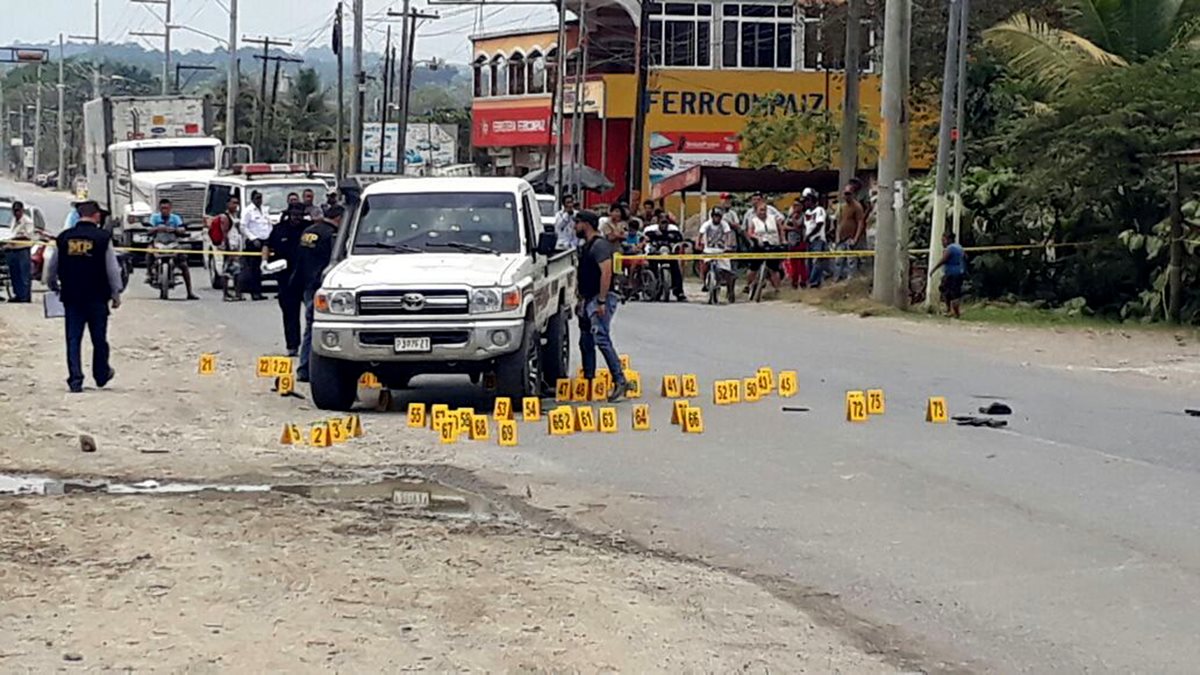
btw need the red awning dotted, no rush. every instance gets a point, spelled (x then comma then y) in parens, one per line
(732, 179)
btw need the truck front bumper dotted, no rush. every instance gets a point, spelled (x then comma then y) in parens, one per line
(375, 342)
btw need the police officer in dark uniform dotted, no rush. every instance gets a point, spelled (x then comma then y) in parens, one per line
(284, 244)
(315, 251)
(85, 273)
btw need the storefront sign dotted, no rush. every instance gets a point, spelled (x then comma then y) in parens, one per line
(510, 127)
(593, 98)
(675, 151)
(727, 103)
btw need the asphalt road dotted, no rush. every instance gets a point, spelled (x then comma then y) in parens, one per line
(1069, 542)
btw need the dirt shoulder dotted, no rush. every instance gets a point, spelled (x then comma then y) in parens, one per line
(267, 582)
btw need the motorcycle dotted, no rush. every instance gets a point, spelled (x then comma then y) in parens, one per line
(655, 278)
(163, 268)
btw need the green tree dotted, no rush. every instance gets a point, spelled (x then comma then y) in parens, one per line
(801, 141)
(1098, 34)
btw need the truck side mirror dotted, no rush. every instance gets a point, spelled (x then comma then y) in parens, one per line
(547, 243)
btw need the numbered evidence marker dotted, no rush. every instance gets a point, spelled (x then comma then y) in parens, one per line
(438, 414)
(690, 385)
(856, 406)
(562, 390)
(479, 428)
(561, 421)
(531, 409)
(693, 421)
(634, 378)
(722, 392)
(507, 432)
(285, 384)
(752, 392)
(670, 386)
(735, 390)
(788, 384)
(875, 403)
(263, 368)
(600, 387)
(354, 426)
(319, 436)
(581, 390)
(608, 420)
(766, 380)
(448, 429)
(625, 361)
(465, 417)
(337, 430)
(936, 410)
(369, 381)
(585, 419)
(641, 417)
(281, 365)
(208, 364)
(290, 435)
(677, 410)
(502, 410)
(416, 415)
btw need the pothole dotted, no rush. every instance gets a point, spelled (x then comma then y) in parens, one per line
(411, 492)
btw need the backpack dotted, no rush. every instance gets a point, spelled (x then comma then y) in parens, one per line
(215, 234)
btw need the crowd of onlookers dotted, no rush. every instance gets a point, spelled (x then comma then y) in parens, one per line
(808, 224)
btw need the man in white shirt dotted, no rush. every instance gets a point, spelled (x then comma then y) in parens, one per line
(17, 253)
(716, 236)
(564, 225)
(664, 232)
(256, 228)
(815, 222)
(763, 229)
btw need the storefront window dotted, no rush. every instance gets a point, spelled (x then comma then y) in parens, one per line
(499, 76)
(552, 70)
(757, 36)
(516, 74)
(681, 34)
(813, 59)
(483, 77)
(536, 75)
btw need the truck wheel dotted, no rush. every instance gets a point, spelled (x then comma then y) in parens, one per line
(519, 374)
(556, 354)
(334, 386)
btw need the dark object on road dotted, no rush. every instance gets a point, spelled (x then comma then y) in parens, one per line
(1192, 411)
(87, 443)
(972, 421)
(793, 409)
(996, 408)
(70, 656)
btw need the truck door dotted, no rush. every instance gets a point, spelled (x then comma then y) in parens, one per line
(542, 293)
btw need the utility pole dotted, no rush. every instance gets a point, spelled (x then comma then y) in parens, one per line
(231, 78)
(266, 58)
(401, 131)
(360, 91)
(577, 118)
(62, 118)
(387, 85)
(94, 38)
(960, 115)
(893, 162)
(166, 37)
(5, 142)
(949, 76)
(411, 16)
(37, 125)
(850, 96)
(338, 35)
(559, 89)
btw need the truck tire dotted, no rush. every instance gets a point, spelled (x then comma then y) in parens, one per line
(334, 386)
(556, 353)
(519, 374)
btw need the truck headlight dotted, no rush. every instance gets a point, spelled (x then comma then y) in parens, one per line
(488, 300)
(334, 302)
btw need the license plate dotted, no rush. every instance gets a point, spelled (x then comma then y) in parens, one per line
(413, 344)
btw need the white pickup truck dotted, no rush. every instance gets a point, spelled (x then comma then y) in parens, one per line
(443, 276)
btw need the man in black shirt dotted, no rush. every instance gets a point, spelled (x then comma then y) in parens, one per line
(284, 244)
(598, 304)
(85, 273)
(312, 257)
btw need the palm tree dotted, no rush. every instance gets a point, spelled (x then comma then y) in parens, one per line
(1098, 34)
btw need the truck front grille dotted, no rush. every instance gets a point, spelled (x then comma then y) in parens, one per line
(187, 201)
(413, 302)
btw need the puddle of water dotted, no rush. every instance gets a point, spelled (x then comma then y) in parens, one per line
(413, 492)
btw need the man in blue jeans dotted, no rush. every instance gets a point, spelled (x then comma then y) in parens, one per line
(598, 303)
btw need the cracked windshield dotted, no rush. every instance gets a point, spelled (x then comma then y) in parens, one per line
(471, 222)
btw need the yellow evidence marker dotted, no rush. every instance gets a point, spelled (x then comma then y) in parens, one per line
(208, 364)
(354, 425)
(634, 378)
(290, 435)
(561, 421)
(581, 390)
(599, 388)
(465, 416)
(448, 429)
(502, 409)
(693, 421)
(875, 403)
(318, 435)
(608, 420)
(856, 406)
(670, 386)
(562, 390)
(788, 384)
(722, 393)
(936, 410)
(438, 413)
(625, 361)
(285, 384)
(263, 368)
(337, 430)
(281, 365)
(369, 381)
(585, 419)
(531, 409)
(690, 385)
(641, 417)
(677, 410)
(479, 428)
(735, 391)
(752, 392)
(416, 415)
(507, 433)
(766, 380)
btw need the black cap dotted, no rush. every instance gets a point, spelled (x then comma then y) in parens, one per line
(88, 207)
(334, 212)
(588, 217)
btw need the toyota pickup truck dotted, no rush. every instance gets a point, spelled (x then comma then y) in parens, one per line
(443, 276)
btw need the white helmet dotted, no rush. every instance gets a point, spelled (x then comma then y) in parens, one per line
(808, 193)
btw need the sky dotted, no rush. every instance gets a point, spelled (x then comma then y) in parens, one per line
(307, 23)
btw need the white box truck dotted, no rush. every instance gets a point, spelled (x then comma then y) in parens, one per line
(142, 149)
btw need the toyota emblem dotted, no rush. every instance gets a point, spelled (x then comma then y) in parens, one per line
(413, 302)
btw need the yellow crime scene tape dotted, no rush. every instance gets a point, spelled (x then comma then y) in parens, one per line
(138, 249)
(811, 255)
